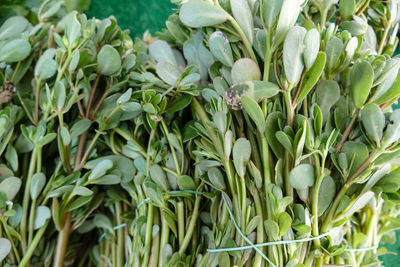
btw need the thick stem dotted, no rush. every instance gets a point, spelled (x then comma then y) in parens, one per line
(181, 222)
(120, 236)
(27, 256)
(191, 226)
(347, 132)
(155, 246)
(148, 236)
(258, 260)
(384, 38)
(289, 107)
(25, 202)
(92, 93)
(164, 236)
(62, 241)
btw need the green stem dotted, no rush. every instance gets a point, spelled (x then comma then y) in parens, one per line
(62, 241)
(191, 226)
(205, 121)
(120, 236)
(258, 260)
(243, 36)
(25, 202)
(15, 250)
(148, 235)
(317, 185)
(35, 242)
(268, 57)
(289, 107)
(88, 150)
(31, 221)
(383, 40)
(155, 246)
(181, 222)
(164, 236)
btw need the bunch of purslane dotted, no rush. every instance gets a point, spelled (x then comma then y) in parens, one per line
(252, 133)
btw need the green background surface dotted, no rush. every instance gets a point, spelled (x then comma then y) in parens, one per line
(141, 15)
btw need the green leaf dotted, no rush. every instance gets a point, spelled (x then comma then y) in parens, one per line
(270, 10)
(357, 150)
(153, 192)
(100, 169)
(74, 61)
(59, 94)
(285, 140)
(392, 133)
(220, 48)
(108, 60)
(41, 216)
(12, 157)
(241, 155)
(65, 136)
(79, 127)
(168, 72)
(46, 66)
(390, 183)
(123, 164)
(245, 69)
(186, 182)
(158, 176)
(162, 52)
(347, 8)
(292, 54)
(272, 229)
(180, 103)
(242, 14)
(220, 121)
(5, 248)
(108, 179)
(199, 13)
(216, 178)
(37, 184)
(328, 93)
(312, 76)
(13, 27)
(125, 97)
(72, 27)
(311, 47)
(358, 204)
(254, 222)
(373, 121)
(284, 222)
(82, 191)
(326, 194)
(287, 18)
(302, 176)
(46, 139)
(361, 79)
(334, 49)
(273, 121)
(14, 50)
(392, 93)
(79, 202)
(254, 111)
(10, 186)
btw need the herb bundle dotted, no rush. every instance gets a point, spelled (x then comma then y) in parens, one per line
(251, 133)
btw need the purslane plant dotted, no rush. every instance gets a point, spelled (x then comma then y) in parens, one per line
(247, 122)
(294, 127)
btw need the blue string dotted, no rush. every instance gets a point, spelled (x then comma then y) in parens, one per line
(282, 242)
(244, 237)
(360, 249)
(115, 228)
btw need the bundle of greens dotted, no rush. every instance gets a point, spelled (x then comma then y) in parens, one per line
(250, 133)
